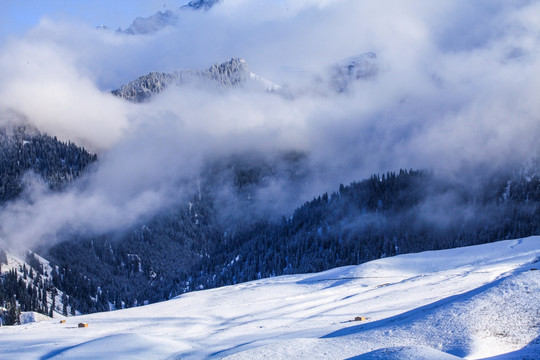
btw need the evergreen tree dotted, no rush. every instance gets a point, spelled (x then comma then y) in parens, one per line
(13, 312)
(44, 302)
(54, 292)
(64, 304)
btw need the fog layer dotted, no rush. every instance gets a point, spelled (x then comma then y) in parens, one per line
(456, 86)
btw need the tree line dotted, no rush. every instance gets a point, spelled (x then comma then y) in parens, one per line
(190, 247)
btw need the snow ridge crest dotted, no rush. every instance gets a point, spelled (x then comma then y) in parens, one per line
(232, 73)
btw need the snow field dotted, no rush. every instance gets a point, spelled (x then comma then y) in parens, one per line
(475, 302)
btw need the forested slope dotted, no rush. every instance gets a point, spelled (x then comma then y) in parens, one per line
(194, 246)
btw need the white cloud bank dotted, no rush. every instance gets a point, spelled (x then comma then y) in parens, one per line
(457, 85)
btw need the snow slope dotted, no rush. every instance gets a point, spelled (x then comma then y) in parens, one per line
(474, 302)
(16, 263)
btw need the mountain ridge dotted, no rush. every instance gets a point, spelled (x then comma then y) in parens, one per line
(201, 4)
(229, 74)
(162, 19)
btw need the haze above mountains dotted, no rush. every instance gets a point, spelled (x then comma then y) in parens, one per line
(444, 94)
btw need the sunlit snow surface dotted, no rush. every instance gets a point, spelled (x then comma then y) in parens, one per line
(474, 302)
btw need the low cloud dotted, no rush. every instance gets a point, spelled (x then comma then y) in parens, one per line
(456, 86)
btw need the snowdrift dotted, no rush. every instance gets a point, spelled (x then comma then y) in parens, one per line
(476, 302)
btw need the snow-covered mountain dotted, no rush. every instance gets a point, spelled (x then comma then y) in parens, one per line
(162, 19)
(201, 4)
(35, 274)
(341, 76)
(236, 73)
(361, 67)
(475, 302)
(153, 23)
(208, 186)
(233, 73)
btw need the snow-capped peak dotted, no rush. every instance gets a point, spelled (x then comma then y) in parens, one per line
(232, 73)
(200, 4)
(151, 24)
(359, 67)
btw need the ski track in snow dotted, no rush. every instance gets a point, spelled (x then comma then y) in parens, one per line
(477, 302)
